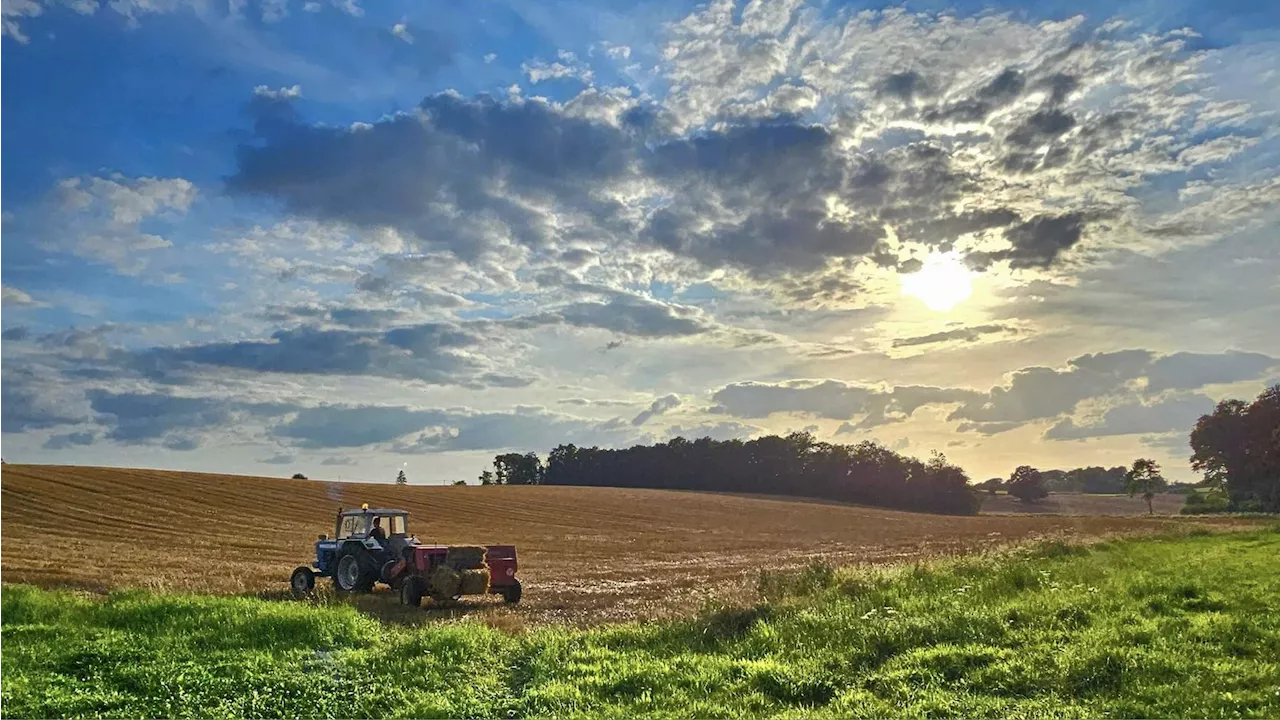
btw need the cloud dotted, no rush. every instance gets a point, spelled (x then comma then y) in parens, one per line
(68, 440)
(338, 460)
(292, 92)
(13, 297)
(657, 407)
(279, 459)
(407, 430)
(100, 220)
(966, 334)
(1134, 417)
(834, 400)
(724, 430)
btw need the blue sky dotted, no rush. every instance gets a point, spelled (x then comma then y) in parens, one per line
(233, 230)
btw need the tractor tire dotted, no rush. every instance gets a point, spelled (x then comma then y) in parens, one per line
(412, 590)
(353, 573)
(302, 581)
(511, 594)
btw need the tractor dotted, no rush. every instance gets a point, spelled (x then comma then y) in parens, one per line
(359, 556)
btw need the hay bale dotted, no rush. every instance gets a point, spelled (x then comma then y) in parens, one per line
(475, 582)
(445, 582)
(466, 557)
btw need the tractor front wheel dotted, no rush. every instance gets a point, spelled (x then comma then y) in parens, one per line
(303, 581)
(412, 590)
(511, 594)
(352, 574)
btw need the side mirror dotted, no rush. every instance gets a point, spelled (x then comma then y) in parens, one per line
(324, 536)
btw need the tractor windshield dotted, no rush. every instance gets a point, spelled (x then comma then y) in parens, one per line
(350, 525)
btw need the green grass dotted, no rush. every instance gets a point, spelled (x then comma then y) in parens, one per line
(1173, 627)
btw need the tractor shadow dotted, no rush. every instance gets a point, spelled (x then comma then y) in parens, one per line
(384, 604)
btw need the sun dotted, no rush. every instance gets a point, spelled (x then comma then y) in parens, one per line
(941, 284)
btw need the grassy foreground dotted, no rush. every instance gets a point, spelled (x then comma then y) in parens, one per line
(1172, 627)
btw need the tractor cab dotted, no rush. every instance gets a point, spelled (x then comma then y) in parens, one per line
(354, 530)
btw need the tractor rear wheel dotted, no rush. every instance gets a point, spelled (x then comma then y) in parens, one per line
(412, 590)
(353, 573)
(511, 594)
(303, 581)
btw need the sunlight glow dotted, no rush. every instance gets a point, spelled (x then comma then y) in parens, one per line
(941, 284)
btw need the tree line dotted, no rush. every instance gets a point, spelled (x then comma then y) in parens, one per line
(1237, 447)
(797, 464)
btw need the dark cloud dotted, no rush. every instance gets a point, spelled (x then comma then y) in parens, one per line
(62, 442)
(338, 460)
(834, 400)
(135, 418)
(624, 314)
(1000, 91)
(1188, 371)
(1176, 413)
(432, 172)
(657, 407)
(1036, 243)
(175, 422)
(16, 334)
(433, 352)
(966, 334)
(904, 85)
(24, 406)
(279, 459)
(827, 399)
(1042, 127)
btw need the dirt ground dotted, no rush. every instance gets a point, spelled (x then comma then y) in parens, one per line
(587, 555)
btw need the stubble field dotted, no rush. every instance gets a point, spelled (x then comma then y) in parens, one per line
(587, 555)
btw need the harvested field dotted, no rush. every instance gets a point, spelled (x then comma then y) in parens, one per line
(587, 555)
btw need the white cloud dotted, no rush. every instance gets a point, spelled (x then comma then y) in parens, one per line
(401, 30)
(284, 93)
(13, 297)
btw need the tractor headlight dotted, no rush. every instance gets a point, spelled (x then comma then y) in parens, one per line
(511, 571)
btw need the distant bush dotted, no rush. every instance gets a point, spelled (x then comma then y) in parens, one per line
(1206, 504)
(457, 483)
(299, 476)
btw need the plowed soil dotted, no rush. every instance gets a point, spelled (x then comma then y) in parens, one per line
(587, 555)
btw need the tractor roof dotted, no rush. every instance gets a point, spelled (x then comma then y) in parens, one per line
(375, 511)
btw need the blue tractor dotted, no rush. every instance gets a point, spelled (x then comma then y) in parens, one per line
(366, 545)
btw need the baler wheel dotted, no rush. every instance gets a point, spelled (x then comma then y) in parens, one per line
(411, 591)
(511, 594)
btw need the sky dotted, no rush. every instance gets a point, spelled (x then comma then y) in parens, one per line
(347, 238)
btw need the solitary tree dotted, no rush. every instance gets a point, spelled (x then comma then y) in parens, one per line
(1144, 479)
(299, 476)
(1027, 484)
(401, 479)
(486, 477)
